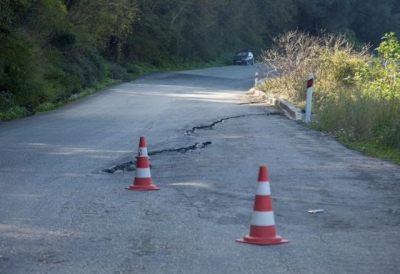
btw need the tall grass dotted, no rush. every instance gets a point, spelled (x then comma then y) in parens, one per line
(356, 95)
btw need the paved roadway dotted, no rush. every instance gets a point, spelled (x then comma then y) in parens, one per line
(62, 211)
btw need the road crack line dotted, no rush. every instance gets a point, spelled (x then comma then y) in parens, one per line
(131, 165)
(210, 126)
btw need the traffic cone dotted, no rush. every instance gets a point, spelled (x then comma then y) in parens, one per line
(142, 179)
(142, 151)
(262, 229)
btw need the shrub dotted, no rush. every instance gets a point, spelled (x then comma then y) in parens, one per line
(356, 96)
(7, 101)
(13, 113)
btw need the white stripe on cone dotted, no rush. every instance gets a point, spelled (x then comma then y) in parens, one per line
(263, 188)
(142, 151)
(263, 218)
(142, 173)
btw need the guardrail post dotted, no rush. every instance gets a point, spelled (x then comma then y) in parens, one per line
(256, 78)
(310, 83)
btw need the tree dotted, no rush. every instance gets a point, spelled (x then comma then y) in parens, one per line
(375, 18)
(107, 21)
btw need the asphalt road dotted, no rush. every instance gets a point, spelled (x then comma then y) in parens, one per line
(64, 207)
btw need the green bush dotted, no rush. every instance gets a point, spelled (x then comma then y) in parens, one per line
(18, 67)
(14, 112)
(7, 101)
(356, 96)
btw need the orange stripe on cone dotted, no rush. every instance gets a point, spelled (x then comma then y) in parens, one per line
(142, 179)
(262, 203)
(262, 228)
(142, 162)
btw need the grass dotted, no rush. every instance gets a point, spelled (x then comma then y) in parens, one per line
(356, 97)
(374, 149)
(96, 87)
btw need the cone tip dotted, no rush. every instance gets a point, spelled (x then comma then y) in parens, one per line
(263, 174)
(142, 142)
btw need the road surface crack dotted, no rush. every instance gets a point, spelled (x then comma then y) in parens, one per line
(131, 165)
(210, 126)
(183, 149)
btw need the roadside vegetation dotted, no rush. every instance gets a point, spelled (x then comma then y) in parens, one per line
(356, 91)
(55, 51)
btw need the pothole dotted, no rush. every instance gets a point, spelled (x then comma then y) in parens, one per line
(128, 166)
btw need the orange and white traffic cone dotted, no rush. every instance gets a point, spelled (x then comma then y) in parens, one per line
(262, 229)
(142, 179)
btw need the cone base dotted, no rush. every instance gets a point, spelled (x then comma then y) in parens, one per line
(262, 241)
(150, 187)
